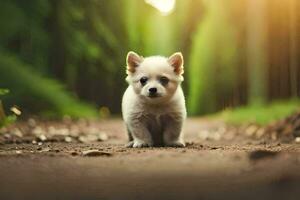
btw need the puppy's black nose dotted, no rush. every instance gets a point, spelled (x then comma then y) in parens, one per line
(152, 90)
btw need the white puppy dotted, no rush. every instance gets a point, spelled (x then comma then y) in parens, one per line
(153, 105)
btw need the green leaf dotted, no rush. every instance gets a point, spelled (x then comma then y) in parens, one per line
(8, 120)
(4, 119)
(4, 91)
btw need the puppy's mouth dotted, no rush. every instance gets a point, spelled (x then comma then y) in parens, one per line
(152, 96)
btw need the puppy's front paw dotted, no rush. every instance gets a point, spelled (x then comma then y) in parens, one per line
(129, 144)
(141, 144)
(177, 144)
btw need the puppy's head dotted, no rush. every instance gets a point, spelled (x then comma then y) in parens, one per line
(156, 78)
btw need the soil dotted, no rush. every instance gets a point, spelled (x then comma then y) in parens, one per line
(88, 160)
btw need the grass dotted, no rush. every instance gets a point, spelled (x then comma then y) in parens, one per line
(4, 119)
(262, 115)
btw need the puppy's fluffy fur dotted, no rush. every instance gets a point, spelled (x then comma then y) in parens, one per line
(153, 105)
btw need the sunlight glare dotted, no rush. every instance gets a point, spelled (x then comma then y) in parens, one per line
(164, 6)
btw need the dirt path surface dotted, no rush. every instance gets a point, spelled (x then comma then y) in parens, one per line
(49, 160)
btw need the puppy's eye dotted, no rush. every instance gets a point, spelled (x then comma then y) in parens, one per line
(143, 80)
(164, 80)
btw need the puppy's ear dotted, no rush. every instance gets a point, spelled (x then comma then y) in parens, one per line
(133, 60)
(176, 61)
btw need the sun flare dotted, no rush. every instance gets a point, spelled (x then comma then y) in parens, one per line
(164, 6)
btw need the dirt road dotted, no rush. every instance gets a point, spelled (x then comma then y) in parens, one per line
(217, 167)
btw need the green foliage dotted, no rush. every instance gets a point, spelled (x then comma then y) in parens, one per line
(52, 49)
(212, 60)
(260, 114)
(5, 120)
(47, 95)
(73, 41)
(3, 91)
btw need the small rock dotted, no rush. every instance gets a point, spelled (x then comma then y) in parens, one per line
(216, 136)
(42, 138)
(63, 131)
(88, 138)
(297, 139)
(7, 136)
(102, 136)
(203, 135)
(74, 131)
(51, 130)
(274, 135)
(95, 152)
(16, 110)
(40, 143)
(47, 149)
(68, 139)
(259, 133)
(31, 122)
(92, 131)
(17, 132)
(251, 130)
(38, 131)
(19, 152)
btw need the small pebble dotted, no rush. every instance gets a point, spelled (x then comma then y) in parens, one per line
(7, 136)
(17, 132)
(102, 136)
(68, 139)
(47, 149)
(31, 122)
(42, 138)
(19, 152)
(95, 152)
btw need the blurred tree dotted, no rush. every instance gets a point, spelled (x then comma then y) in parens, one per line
(236, 51)
(48, 95)
(294, 26)
(256, 51)
(212, 60)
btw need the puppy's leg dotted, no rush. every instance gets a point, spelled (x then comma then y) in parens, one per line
(173, 131)
(130, 138)
(140, 133)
